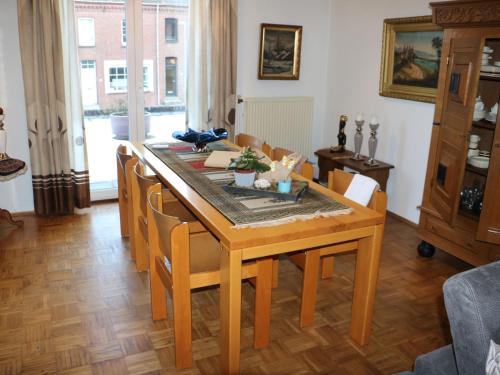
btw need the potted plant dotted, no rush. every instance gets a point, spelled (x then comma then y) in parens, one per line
(246, 166)
(119, 120)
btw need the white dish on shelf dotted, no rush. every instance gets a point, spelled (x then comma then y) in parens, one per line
(491, 117)
(484, 153)
(479, 161)
(490, 69)
(487, 49)
(478, 115)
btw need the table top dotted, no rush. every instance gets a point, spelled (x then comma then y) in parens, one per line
(344, 158)
(233, 238)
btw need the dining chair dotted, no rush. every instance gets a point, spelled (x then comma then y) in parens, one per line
(247, 140)
(309, 261)
(185, 256)
(306, 169)
(123, 159)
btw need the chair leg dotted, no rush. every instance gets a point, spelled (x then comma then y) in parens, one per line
(141, 252)
(309, 288)
(263, 290)
(181, 304)
(327, 264)
(123, 208)
(276, 271)
(159, 308)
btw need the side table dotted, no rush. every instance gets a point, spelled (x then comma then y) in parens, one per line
(9, 169)
(328, 161)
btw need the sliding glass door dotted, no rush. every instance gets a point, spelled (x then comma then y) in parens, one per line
(132, 58)
(164, 34)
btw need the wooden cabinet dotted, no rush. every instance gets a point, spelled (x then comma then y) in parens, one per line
(448, 219)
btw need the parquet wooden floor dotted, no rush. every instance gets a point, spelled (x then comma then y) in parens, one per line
(71, 302)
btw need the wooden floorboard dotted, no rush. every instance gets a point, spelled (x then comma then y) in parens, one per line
(71, 302)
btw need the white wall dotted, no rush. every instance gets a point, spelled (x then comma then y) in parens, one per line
(314, 17)
(15, 195)
(353, 83)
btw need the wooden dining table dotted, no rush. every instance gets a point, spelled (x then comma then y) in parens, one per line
(362, 224)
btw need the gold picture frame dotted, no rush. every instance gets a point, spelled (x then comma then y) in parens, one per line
(411, 56)
(279, 53)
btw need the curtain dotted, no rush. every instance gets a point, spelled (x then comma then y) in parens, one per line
(197, 92)
(55, 132)
(223, 64)
(211, 88)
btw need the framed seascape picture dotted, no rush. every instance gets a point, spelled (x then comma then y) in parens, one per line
(411, 55)
(279, 51)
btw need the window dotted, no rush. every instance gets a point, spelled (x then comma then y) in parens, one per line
(115, 73)
(171, 76)
(124, 32)
(88, 64)
(171, 30)
(86, 32)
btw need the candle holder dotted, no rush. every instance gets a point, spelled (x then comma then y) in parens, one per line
(372, 144)
(358, 139)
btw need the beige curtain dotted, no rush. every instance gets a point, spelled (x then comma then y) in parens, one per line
(58, 185)
(223, 64)
(211, 92)
(198, 61)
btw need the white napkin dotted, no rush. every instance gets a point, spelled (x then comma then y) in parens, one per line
(361, 189)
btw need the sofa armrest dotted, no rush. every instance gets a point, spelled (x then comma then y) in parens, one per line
(472, 300)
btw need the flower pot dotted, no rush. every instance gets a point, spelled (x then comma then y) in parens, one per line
(119, 124)
(244, 178)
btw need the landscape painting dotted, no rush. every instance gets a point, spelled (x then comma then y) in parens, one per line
(416, 58)
(280, 52)
(411, 55)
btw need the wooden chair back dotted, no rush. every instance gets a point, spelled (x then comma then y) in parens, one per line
(163, 223)
(247, 140)
(339, 181)
(122, 157)
(144, 183)
(306, 170)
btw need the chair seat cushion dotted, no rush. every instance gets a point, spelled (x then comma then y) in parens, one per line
(204, 252)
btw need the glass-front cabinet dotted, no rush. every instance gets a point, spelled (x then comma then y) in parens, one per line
(460, 212)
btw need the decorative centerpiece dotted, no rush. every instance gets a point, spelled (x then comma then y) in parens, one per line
(200, 140)
(246, 166)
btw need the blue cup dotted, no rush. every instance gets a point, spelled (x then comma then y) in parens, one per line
(285, 186)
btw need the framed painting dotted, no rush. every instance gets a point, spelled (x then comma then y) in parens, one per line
(411, 55)
(279, 51)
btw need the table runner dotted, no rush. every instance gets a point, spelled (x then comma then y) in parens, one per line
(242, 211)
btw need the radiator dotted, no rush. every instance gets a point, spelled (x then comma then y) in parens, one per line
(285, 122)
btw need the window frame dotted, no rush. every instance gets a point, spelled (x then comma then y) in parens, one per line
(175, 92)
(175, 24)
(148, 75)
(124, 32)
(89, 42)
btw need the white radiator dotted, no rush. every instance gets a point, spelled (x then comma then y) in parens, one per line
(285, 122)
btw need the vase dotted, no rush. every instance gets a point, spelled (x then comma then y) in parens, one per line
(244, 178)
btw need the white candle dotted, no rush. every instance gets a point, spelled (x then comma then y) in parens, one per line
(359, 117)
(374, 120)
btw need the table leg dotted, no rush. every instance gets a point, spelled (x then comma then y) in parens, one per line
(365, 285)
(230, 310)
(7, 216)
